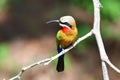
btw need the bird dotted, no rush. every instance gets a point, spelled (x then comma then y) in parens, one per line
(65, 37)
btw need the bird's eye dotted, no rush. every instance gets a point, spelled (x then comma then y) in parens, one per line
(66, 23)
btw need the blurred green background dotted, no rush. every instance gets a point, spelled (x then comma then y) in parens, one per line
(26, 38)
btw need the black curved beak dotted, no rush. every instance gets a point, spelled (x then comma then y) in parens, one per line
(53, 21)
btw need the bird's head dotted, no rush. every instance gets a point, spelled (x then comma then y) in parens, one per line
(65, 21)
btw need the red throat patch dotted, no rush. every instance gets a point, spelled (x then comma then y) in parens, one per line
(66, 29)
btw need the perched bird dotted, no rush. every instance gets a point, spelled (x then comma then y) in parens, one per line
(65, 37)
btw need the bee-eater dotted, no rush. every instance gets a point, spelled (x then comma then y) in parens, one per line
(65, 37)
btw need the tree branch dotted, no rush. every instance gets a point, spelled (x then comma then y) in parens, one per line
(49, 60)
(96, 30)
(98, 37)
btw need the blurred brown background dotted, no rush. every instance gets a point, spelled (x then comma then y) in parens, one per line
(26, 38)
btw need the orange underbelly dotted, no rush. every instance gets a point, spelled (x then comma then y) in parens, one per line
(66, 39)
(66, 42)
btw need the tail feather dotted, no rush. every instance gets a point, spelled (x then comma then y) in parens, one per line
(60, 64)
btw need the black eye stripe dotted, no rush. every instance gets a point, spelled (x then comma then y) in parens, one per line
(66, 23)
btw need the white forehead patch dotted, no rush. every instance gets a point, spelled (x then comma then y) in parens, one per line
(66, 18)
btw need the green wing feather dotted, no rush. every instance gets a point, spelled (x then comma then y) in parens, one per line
(58, 38)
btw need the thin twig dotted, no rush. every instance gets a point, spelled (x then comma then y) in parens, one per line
(112, 66)
(18, 76)
(49, 60)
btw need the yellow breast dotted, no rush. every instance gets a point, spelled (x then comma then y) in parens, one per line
(68, 38)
